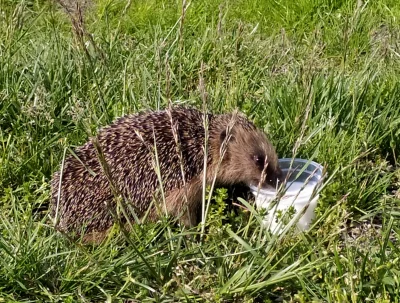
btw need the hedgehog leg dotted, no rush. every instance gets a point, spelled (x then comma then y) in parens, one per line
(95, 237)
(184, 203)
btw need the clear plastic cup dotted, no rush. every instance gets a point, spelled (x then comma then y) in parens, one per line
(298, 196)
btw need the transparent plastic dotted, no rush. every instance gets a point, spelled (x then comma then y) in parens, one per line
(298, 196)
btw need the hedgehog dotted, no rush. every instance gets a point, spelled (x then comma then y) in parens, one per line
(138, 155)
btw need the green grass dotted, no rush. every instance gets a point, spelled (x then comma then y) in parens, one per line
(322, 75)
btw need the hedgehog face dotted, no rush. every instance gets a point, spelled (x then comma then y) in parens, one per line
(265, 170)
(250, 159)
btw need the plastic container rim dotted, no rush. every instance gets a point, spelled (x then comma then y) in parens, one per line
(267, 192)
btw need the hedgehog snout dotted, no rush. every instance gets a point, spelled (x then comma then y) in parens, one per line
(275, 178)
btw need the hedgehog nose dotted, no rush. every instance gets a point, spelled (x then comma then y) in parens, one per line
(276, 179)
(273, 181)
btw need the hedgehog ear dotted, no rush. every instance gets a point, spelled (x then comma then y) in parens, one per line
(223, 135)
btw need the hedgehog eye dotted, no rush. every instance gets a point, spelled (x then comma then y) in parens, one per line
(259, 160)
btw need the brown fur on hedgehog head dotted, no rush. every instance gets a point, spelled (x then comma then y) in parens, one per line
(249, 157)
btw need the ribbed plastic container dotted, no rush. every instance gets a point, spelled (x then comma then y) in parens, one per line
(301, 177)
